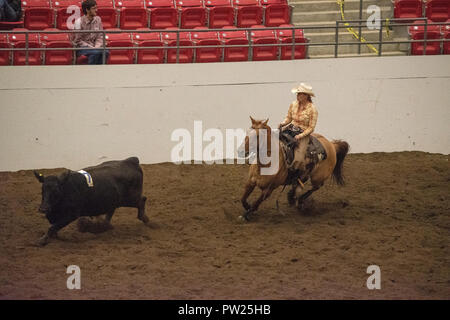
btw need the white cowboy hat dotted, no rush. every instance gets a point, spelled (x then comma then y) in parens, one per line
(303, 88)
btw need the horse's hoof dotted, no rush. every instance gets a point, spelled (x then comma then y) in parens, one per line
(291, 201)
(243, 218)
(42, 241)
(145, 220)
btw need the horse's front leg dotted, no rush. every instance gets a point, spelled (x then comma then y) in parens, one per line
(264, 195)
(250, 186)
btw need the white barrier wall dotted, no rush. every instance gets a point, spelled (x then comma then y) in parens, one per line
(75, 116)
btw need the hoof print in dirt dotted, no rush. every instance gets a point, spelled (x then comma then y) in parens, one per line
(88, 225)
(345, 203)
(306, 206)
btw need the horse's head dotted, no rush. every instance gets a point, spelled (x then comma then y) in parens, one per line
(251, 142)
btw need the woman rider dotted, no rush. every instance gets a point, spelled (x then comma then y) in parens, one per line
(300, 123)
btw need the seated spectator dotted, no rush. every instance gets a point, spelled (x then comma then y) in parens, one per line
(90, 21)
(10, 10)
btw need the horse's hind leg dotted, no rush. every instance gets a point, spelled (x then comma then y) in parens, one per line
(291, 194)
(141, 210)
(306, 195)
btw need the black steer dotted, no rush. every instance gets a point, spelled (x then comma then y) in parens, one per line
(68, 196)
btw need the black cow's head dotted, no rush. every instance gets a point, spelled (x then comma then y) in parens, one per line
(52, 193)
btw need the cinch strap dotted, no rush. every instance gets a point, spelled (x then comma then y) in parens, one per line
(88, 178)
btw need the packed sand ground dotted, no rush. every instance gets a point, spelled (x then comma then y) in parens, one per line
(393, 212)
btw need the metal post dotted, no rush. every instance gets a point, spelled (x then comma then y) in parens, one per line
(178, 46)
(26, 48)
(336, 40)
(380, 38)
(425, 38)
(293, 44)
(359, 28)
(104, 48)
(250, 47)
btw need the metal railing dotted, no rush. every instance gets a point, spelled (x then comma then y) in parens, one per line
(296, 31)
(383, 23)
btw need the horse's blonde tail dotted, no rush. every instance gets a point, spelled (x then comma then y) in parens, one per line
(341, 148)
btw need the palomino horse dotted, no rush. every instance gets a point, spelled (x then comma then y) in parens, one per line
(332, 165)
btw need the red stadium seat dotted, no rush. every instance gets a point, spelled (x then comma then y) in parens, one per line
(120, 56)
(404, 9)
(5, 25)
(133, 14)
(276, 12)
(438, 10)
(5, 56)
(64, 12)
(249, 13)
(19, 41)
(149, 56)
(220, 12)
(235, 38)
(417, 32)
(38, 14)
(108, 13)
(186, 55)
(192, 13)
(56, 40)
(285, 37)
(82, 60)
(264, 37)
(207, 38)
(163, 14)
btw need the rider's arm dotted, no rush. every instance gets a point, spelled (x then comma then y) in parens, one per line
(288, 118)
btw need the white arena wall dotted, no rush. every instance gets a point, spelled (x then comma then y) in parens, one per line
(76, 116)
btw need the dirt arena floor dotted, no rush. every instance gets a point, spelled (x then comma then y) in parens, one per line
(394, 212)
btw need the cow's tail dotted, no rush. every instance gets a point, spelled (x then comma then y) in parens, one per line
(342, 148)
(133, 160)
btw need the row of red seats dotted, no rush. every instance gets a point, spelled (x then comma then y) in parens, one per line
(434, 10)
(188, 52)
(160, 14)
(434, 32)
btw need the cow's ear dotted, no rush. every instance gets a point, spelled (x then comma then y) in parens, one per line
(64, 176)
(39, 176)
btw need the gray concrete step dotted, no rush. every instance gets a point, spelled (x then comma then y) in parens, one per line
(327, 5)
(345, 36)
(349, 49)
(333, 15)
(349, 55)
(315, 15)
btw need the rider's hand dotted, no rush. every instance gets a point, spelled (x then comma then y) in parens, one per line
(298, 137)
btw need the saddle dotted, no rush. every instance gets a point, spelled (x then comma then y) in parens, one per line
(315, 152)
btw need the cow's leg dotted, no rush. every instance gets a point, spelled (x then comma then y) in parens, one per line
(53, 230)
(109, 215)
(141, 210)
